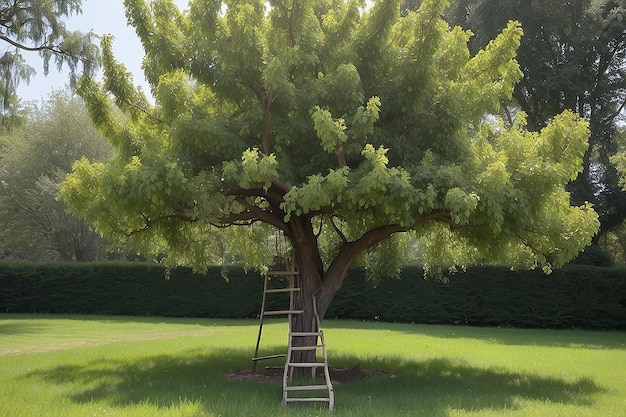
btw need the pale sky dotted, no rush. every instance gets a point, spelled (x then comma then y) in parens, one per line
(103, 17)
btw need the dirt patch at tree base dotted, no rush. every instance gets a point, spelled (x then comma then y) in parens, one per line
(275, 374)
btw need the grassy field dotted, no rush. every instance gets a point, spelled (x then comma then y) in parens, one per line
(73, 366)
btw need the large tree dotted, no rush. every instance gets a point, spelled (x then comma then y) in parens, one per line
(320, 119)
(34, 225)
(36, 26)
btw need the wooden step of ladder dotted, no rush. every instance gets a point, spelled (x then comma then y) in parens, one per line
(317, 344)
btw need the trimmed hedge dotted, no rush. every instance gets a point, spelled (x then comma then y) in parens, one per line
(132, 289)
(572, 297)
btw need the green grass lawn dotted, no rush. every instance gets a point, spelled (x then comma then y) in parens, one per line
(75, 366)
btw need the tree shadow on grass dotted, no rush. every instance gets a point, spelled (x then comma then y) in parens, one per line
(439, 384)
(429, 387)
(161, 381)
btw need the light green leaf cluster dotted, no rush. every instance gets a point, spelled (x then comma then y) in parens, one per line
(255, 170)
(495, 65)
(460, 204)
(374, 186)
(332, 132)
(320, 192)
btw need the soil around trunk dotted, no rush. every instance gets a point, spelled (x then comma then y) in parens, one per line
(275, 374)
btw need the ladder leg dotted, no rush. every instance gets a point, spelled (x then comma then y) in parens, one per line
(261, 316)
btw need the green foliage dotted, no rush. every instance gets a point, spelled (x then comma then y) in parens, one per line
(338, 126)
(573, 58)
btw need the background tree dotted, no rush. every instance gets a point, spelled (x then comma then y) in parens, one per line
(615, 239)
(573, 57)
(317, 120)
(34, 162)
(37, 26)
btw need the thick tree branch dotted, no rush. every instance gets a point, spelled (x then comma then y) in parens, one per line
(349, 251)
(272, 195)
(263, 215)
(235, 219)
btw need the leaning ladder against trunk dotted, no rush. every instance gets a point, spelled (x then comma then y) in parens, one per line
(314, 336)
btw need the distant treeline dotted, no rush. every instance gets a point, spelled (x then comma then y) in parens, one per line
(572, 297)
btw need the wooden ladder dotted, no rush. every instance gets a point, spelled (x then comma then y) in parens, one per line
(292, 288)
(312, 392)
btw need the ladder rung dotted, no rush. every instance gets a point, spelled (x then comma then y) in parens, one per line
(312, 347)
(262, 358)
(282, 312)
(307, 388)
(274, 273)
(321, 399)
(274, 290)
(307, 364)
(304, 334)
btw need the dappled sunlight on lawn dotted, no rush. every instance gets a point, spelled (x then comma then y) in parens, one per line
(200, 376)
(443, 382)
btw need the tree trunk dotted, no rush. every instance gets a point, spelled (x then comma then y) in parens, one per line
(310, 280)
(319, 285)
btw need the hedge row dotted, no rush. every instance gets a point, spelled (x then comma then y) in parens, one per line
(573, 297)
(133, 289)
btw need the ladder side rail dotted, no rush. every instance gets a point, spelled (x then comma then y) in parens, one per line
(288, 370)
(261, 316)
(329, 384)
(318, 328)
(317, 324)
(331, 394)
